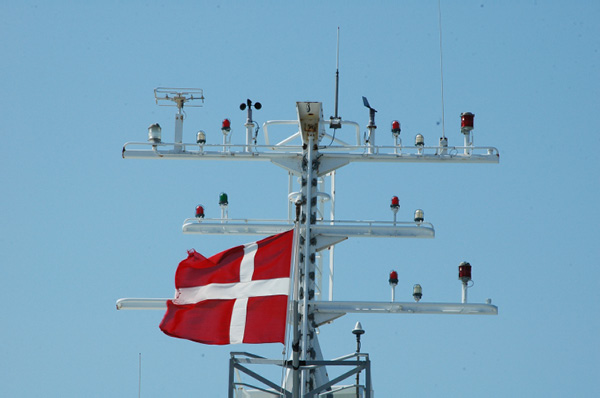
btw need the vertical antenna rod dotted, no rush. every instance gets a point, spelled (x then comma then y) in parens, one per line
(337, 72)
(441, 70)
(140, 377)
(335, 121)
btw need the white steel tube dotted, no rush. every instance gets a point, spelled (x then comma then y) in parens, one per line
(468, 143)
(371, 143)
(249, 125)
(331, 248)
(464, 292)
(178, 131)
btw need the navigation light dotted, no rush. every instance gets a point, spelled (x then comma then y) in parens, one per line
(419, 215)
(417, 292)
(466, 122)
(464, 272)
(226, 126)
(419, 140)
(223, 199)
(393, 278)
(395, 204)
(154, 133)
(201, 137)
(199, 211)
(396, 128)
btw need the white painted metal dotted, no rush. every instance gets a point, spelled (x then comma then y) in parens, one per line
(178, 147)
(131, 150)
(328, 228)
(142, 304)
(336, 309)
(345, 307)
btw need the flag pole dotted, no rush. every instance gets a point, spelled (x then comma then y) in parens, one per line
(296, 335)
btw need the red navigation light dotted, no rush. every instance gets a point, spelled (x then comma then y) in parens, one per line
(393, 278)
(464, 272)
(396, 127)
(466, 122)
(395, 202)
(226, 126)
(200, 211)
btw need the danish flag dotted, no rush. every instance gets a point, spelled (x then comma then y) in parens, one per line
(237, 296)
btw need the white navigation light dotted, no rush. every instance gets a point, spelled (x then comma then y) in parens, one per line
(154, 132)
(417, 292)
(419, 215)
(419, 140)
(201, 137)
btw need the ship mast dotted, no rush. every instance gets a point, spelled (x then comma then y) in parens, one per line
(305, 157)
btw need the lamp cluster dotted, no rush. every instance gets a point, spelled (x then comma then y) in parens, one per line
(464, 275)
(466, 126)
(395, 206)
(223, 203)
(417, 290)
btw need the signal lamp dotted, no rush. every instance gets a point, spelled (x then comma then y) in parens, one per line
(395, 203)
(199, 211)
(464, 272)
(419, 215)
(417, 292)
(466, 122)
(393, 278)
(443, 142)
(226, 126)
(201, 137)
(154, 133)
(419, 140)
(396, 128)
(223, 199)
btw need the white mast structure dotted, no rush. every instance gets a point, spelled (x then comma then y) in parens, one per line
(306, 159)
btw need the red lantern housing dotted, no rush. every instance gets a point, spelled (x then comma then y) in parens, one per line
(466, 122)
(393, 278)
(200, 211)
(464, 272)
(226, 126)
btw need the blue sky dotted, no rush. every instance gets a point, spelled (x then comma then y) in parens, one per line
(81, 227)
